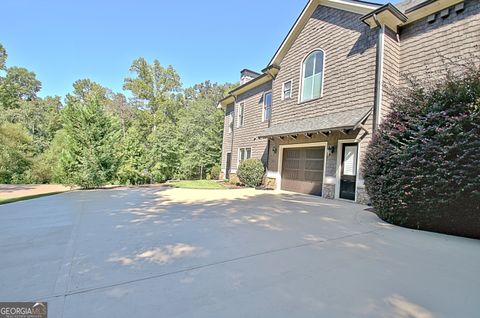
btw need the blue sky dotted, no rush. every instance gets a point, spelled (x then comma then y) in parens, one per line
(65, 40)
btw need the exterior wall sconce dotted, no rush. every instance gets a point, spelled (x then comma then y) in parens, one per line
(274, 149)
(331, 150)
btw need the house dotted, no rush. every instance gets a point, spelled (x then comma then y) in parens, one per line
(310, 114)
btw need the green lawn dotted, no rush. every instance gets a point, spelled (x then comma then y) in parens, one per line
(27, 197)
(198, 184)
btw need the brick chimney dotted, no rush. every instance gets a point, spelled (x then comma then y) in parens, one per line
(247, 75)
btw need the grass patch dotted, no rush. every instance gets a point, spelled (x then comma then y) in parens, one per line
(198, 184)
(27, 197)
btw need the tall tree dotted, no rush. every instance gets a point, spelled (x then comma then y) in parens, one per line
(85, 90)
(89, 158)
(3, 57)
(18, 85)
(15, 152)
(153, 85)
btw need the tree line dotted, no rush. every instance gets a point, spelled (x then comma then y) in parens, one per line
(94, 136)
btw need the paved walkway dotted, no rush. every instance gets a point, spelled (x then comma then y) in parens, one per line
(153, 252)
(8, 191)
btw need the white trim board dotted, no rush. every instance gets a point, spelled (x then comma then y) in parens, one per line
(302, 145)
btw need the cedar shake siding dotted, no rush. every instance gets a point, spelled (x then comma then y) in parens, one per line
(349, 78)
(246, 136)
(353, 68)
(427, 47)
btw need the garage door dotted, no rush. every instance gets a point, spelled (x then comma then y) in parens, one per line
(302, 170)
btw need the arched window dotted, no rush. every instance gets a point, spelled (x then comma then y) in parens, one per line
(312, 79)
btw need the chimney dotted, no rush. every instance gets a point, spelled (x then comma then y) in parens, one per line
(247, 75)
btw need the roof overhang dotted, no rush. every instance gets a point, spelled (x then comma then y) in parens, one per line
(427, 8)
(347, 120)
(268, 74)
(390, 16)
(387, 15)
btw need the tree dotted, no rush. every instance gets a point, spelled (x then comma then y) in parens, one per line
(15, 152)
(208, 91)
(134, 162)
(3, 57)
(120, 107)
(201, 128)
(18, 85)
(153, 85)
(85, 90)
(88, 159)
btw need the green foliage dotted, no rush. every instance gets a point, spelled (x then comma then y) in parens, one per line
(198, 184)
(421, 168)
(215, 172)
(3, 57)
(18, 85)
(88, 159)
(16, 151)
(153, 84)
(201, 130)
(103, 137)
(250, 172)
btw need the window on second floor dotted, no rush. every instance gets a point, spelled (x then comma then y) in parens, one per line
(241, 115)
(287, 90)
(267, 106)
(230, 123)
(244, 154)
(312, 75)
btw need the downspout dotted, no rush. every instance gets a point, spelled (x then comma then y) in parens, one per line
(269, 120)
(233, 129)
(377, 106)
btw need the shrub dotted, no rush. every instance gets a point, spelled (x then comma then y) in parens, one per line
(422, 167)
(250, 172)
(215, 172)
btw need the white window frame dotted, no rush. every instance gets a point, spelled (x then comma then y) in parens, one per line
(239, 160)
(264, 119)
(240, 120)
(283, 89)
(302, 68)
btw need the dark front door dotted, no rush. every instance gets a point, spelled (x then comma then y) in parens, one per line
(348, 178)
(302, 170)
(228, 165)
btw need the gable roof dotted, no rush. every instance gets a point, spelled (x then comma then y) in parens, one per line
(403, 13)
(355, 6)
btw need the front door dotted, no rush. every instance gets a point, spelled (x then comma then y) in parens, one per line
(348, 178)
(228, 166)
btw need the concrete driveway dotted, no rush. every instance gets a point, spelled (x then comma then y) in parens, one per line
(152, 252)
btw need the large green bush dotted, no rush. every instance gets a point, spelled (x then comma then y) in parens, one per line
(422, 169)
(215, 172)
(250, 172)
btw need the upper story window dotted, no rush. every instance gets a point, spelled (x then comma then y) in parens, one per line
(312, 79)
(287, 90)
(230, 123)
(241, 115)
(267, 106)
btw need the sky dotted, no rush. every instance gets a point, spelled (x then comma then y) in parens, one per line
(66, 40)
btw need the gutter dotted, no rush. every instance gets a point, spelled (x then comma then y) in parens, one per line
(377, 104)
